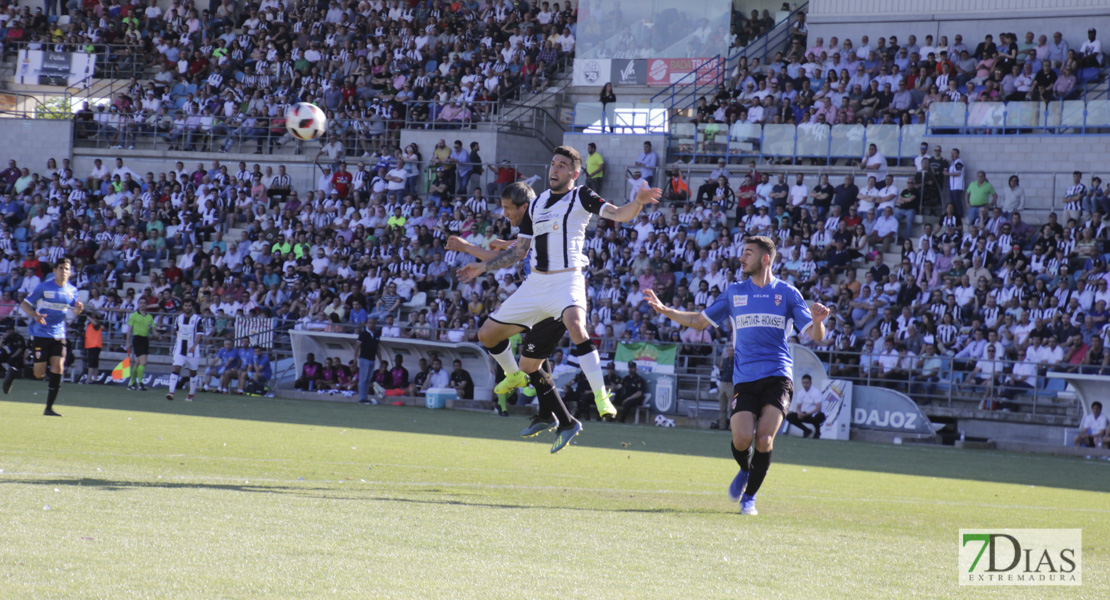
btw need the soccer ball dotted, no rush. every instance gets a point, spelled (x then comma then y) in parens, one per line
(663, 421)
(305, 121)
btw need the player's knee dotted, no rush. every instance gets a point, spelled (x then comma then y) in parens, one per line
(740, 439)
(764, 443)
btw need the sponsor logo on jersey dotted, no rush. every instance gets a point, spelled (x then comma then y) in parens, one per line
(741, 300)
(48, 294)
(759, 320)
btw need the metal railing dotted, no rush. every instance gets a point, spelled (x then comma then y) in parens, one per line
(683, 94)
(765, 46)
(954, 385)
(113, 61)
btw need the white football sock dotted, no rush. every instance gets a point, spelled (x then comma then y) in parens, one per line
(506, 360)
(173, 382)
(591, 368)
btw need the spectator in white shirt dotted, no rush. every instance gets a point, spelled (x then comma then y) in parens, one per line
(647, 162)
(885, 230)
(809, 411)
(1092, 429)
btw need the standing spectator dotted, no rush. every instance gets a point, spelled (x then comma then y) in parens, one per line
(647, 162)
(956, 182)
(607, 98)
(460, 159)
(1073, 197)
(366, 349)
(595, 168)
(93, 345)
(724, 388)
(979, 193)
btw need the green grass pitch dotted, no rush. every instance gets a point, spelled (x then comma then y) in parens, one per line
(131, 496)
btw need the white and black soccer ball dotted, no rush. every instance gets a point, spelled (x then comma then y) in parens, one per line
(306, 121)
(662, 421)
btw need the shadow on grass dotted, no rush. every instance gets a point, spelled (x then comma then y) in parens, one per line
(924, 461)
(309, 490)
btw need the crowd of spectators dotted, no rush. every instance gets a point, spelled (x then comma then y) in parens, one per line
(232, 69)
(977, 280)
(894, 82)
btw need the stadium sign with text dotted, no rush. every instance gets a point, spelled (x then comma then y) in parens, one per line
(994, 557)
(628, 71)
(667, 71)
(887, 410)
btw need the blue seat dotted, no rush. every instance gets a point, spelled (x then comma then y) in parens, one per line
(191, 88)
(240, 76)
(1053, 384)
(178, 89)
(430, 66)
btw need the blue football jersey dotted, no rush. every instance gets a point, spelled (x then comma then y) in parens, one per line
(52, 301)
(246, 357)
(229, 357)
(762, 321)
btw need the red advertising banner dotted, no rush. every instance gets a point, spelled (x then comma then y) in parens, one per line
(667, 71)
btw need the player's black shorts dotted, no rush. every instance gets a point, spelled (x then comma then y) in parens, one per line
(45, 348)
(92, 357)
(752, 396)
(140, 345)
(540, 341)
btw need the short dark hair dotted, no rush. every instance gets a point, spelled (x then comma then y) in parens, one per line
(519, 193)
(764, 243)
(572, 154)
(1096, 403)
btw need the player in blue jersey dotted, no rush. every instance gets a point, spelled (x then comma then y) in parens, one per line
(763, 311)
(47, 306)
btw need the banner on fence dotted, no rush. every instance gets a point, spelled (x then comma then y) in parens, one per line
(667, 71)
(628, 71)
(42, 67)
(260, 330)
(657, 358)
(591, 71)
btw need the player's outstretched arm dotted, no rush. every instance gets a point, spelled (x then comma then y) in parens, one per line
(629, 211)
(460, 245)
(684, 318)
(503, 259)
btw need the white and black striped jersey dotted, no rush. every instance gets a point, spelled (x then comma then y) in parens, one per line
(188, 332)
(557, 225)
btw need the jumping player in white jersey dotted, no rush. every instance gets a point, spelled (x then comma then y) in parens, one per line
(554, 228)
(763, 311)
(186, 349)
(47, 305)
(541, 340)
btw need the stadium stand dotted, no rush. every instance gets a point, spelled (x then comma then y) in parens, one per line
(922, 290)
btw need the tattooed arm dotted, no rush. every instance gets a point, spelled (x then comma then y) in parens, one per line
(503, 259)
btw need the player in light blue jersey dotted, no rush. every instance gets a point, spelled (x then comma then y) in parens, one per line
(764, 312)
(47, 306)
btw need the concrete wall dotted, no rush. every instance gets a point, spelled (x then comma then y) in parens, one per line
(971, 18)
(32, 141)
(1044, 163)
(620, 152)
